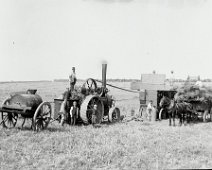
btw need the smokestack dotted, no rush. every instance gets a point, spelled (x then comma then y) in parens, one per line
(104, 71)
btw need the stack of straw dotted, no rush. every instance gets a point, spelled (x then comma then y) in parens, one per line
(192, 92)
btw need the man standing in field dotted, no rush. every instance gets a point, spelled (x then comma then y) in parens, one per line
(150, 109)
(74, 113)
(72, 79)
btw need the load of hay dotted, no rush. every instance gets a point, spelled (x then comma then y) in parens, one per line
(193, 93)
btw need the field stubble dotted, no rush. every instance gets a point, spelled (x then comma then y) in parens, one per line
(132, 145)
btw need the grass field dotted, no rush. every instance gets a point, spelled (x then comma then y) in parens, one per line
(132, 145)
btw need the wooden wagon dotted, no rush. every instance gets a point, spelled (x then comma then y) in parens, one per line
(26, 105)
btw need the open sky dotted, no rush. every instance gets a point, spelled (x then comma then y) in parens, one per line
(43, 39)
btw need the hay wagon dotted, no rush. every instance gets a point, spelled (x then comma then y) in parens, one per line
(199, 97)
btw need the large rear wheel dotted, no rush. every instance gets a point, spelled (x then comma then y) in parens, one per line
(86, 109)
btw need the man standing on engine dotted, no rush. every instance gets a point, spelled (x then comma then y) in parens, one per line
(72, 79)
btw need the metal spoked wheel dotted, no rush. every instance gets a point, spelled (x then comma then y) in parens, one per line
(114, 114)
(87, 109)
(42, 116)
(9, 120)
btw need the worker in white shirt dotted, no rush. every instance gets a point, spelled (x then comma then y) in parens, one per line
(150, 109)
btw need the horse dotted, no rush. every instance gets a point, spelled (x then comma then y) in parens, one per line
(183, 110)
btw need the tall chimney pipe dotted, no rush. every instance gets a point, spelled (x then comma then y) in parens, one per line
(104, 71)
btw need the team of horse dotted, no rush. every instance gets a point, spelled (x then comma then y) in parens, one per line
(186, 111)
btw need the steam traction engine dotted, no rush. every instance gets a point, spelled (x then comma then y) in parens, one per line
(90, 95)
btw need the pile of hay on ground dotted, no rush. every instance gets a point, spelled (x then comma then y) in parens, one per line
(192, 92)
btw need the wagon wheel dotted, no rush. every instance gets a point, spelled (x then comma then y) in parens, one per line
(42, 116)
(114, 114)
(9, 120)
(87, 109)
(90, 85)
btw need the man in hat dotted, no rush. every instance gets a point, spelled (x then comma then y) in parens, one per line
(72, 79)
